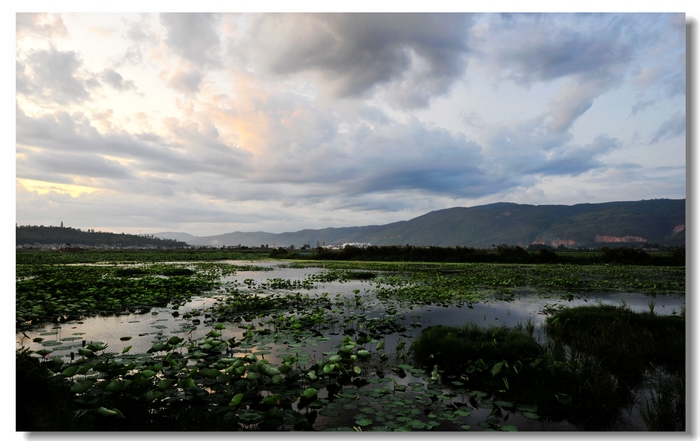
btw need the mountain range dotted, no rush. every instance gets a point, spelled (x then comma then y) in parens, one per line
(659, 221)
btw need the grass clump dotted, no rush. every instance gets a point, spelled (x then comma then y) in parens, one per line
(664, 408)
(625, 342)
(586, 371)
(454, 349)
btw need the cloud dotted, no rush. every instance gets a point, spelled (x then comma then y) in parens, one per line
(527, 48)
(674, 126)
(571, 101)
(193, 37)
(38, 165)
(187, 82)
(575, 160)
(42, 25)
(114, 79)
(640, 106)
(55, 76)
(648, 76)
(416, 56)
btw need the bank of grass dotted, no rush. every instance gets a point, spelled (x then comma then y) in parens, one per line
(586, 371)
(625, 342)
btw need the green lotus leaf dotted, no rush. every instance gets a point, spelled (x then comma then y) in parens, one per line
(236, 400)
(117, 385)
(187, 383)
(160, 346)
(165, 383)
(153, 395)
(84, 369)
(309, 393)
(209, 372)
(175, 340)
(110, 412)
(82, 386)
(70, 371)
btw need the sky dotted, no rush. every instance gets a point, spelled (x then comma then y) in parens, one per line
(212, 123)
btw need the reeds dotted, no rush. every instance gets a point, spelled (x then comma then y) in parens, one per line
(664, 408)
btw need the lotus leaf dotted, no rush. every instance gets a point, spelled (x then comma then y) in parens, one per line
(82, 386)
(110, 412)
(236, 400)
(70, 371)
(309, 393)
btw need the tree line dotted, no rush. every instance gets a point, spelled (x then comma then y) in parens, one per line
(501, 254)
(71, 237)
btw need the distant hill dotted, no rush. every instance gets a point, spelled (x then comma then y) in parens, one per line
(660, 221)
(73, 237)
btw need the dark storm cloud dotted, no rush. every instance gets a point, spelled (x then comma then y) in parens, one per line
(193, 37)
(674, 126)
(421, 54)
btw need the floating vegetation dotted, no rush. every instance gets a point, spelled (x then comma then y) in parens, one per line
(277, 354)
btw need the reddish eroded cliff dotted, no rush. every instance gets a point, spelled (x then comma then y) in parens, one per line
(601, 238)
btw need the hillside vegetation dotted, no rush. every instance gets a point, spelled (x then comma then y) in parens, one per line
(658, 221)
(73, 237)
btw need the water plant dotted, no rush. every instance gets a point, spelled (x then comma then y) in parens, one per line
(663, 407)
(276, 353)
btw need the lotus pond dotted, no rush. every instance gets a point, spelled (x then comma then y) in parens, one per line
(274, 345)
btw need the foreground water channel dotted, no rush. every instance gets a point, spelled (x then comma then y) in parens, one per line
(193, 320)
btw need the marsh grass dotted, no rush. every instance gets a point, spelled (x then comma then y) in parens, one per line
(625, 342)
(585, 371)
(664, 408)
(454, 349)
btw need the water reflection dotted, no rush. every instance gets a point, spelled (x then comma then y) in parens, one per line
(143, 329)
